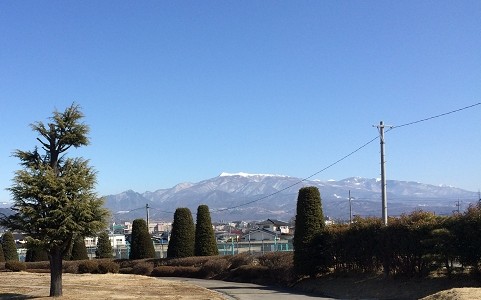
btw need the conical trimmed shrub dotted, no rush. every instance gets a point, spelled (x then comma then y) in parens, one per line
(35, 253)
(309, 223)
(205, 244)
(2, 257)
(104, 247)
(141, 245)
(182, 238)
(9, 247)
(79, 250)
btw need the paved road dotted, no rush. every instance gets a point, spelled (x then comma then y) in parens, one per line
(246, 291)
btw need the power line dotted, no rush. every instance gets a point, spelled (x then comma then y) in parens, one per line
(298, 182)
(325, 168)
(341, 159)
(437, 116)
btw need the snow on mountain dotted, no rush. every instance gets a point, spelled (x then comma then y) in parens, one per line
(235, 196)
(242, 174)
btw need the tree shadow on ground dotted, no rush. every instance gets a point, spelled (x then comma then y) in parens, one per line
(11, 296)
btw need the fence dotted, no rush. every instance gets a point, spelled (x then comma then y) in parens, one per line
(225, 248)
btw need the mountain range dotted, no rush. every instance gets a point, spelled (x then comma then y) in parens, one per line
(243, 196)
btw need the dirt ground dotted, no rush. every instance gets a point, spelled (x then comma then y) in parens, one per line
(23, 285)
(376, 287)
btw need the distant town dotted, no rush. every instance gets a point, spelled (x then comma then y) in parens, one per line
(232, 238)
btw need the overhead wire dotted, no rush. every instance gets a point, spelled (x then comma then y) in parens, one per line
(437, 116)
(341, 159)
(325, 168)
(300, 181)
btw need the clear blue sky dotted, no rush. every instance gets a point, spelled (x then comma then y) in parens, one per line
(180, 91)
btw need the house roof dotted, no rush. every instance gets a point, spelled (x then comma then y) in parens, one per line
(274, 222)
(260, 230)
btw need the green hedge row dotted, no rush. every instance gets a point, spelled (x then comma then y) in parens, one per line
(270, 268)
(414, 244)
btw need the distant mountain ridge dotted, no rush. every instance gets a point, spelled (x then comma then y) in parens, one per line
(243, 196)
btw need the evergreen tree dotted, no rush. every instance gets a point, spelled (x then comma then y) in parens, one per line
(205, 244)
(54, 196)
(182, 238)
(79, 250)
(141, 244)
(9, 247)
(2, 257)
(104, 247)
(35, 254)
(309, 223)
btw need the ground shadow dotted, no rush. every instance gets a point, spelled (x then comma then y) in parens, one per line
(11, 296)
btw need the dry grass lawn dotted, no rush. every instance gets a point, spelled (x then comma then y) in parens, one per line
(456, 294)
(23, 285)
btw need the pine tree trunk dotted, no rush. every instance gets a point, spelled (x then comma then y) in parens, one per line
(55, 273)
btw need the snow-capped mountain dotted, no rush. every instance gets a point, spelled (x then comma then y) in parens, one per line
(243, 196)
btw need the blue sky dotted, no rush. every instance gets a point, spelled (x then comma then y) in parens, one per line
(180, 91)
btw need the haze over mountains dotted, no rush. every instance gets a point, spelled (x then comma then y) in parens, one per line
(243, 196)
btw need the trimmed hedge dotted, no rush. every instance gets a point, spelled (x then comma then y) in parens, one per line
(108, 266)
(15, 266)
(88, 266)
(214, 267)
(178, 271)
(143, 268)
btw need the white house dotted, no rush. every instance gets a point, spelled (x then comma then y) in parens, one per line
(116, 240)
(274, 226)
(260, 235)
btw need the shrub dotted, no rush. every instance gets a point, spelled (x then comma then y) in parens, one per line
(190, 272)
(108, 266)
(9, 247)
(2, 257)
(104, 248)
(70, 266)
(125, 263)
(242, 259)
(126, 270)
(15, 266)
(309, 223)
(35, 254)
(205, 244)
(141, 245)
(79, 250)
(38, 270)
(182, 238)
(254, 274)
(277, 260)
(214, 267)
(143, 268)
(88, 266)
(195, 261)
(179, 271)
(38, 265)
(163, 271)
(280, 265)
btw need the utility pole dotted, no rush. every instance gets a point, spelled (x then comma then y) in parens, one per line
(350, 208)
(456, 211)
(147, 209)
(381, 127)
